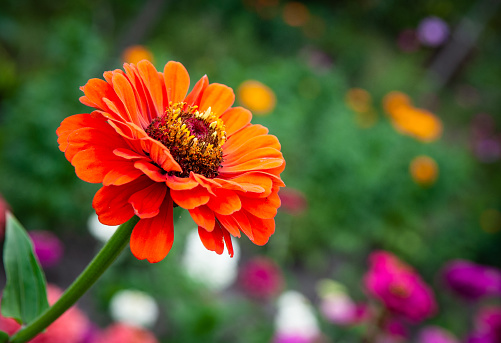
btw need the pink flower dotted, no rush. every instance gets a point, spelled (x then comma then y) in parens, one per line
(48, 247)
(261, 278)
(435, 334)
(399, 287)
(71, 327)
(472, 281)
(293, 201)
(123, 333)
(487, 326)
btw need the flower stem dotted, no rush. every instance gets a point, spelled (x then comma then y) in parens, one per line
(85, 280)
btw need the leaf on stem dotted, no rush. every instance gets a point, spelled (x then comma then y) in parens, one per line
(25, 295)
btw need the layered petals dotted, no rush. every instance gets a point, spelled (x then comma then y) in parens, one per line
(146, 174)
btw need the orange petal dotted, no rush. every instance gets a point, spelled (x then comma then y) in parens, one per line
(93, 164)
(111, 202)
(76, 122)
(160, 155)
(126, 94)
(152, 238)
(96, 90)
(128, 154)
(243, 223)
(180, 183)
(225, 202)
(144, 101)
(263, 141)
(235, 119)
(121, 174)
(243, 137)
(204, 217)
(262, 229)
(265, 208)
(196, 94)
(151, 170)
(258, 164)
(227, 241)
(146, 202)
(190, 199)
(230, 224)
(251, 154)
(218, 97)
(248, 180)
(213, 240)
(150, 78)
(177, 81)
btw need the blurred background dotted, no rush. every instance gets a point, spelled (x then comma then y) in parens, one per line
(388, 116)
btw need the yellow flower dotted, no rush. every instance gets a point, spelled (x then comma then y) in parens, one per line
(257, 97)
(424, 170)
(358, 100)
(136, 53)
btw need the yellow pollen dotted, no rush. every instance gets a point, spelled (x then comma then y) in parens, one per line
(194, 138)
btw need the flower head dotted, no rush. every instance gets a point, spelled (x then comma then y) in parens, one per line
(257, 97)
(123, 333)
(487, 327)
(399, 287)
(154, 146)
(435, 334)
(48, 248)
(472, 281)
(261, 278)
(136, 53)
(432, 31)
(424, 170)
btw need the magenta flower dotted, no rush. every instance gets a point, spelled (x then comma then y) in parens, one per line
(261, 278)
(48, 248)
(435, 334)
(4, 207)
(487, 326)
(293, 201)
(472, 281)
(399, 287)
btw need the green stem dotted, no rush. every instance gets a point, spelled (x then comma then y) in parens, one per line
(87, 278)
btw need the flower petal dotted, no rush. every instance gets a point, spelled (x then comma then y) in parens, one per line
(257, 164)
(180, 183)
(152, 238)
(213, 240)
(204, 217)
(150, 78)
(76, 122)
(218, 97)
(126, 94)
(111, 202)
(230, 224)
(146, 202)
(190, 199)
(225, 202)
(262, 229)
(228, 242)
(151, 170)
(252, 154)
(235, 119)
(265, 208)
(177, 81)
(196, 94)
(243, 137)
(96, 90)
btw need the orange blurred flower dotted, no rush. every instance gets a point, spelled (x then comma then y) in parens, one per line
(136, 53)
(424, 170)
(407, 119)
(257, 97)
(296, 14)
(153, 145)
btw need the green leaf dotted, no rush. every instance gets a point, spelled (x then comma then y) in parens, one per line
(25, 295)
(4, 337)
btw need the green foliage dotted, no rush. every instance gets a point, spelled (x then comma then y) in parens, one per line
(25, 296)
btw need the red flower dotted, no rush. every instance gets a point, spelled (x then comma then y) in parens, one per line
(153, 147)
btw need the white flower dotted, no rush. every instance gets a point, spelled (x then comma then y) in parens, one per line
(295, 317)
(100, 231)
(215, 271)
(134, 307)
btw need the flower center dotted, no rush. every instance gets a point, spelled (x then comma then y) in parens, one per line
(194, 138)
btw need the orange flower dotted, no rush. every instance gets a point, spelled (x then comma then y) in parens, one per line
(257, 97)
(412, 121)
(136, 53)
(153, 147)
(424, 170)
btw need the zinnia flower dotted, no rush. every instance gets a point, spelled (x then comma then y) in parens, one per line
(257, 97)
(136, 53)
(487, 326)
(435, 334)
(399, 287)
(153, 147)
(123, 333)
(261, 278)
(472, 281)
(48, 247)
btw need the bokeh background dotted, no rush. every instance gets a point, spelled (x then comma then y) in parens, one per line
(354, 90)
